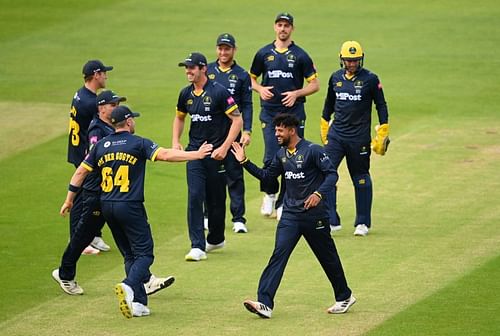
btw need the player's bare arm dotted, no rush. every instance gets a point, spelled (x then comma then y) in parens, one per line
(75, 183)
(236, 125)
(177, 155)
(177, 128)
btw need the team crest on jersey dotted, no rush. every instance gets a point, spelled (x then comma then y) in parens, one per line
(270, 58)
(207, 100)
(211, 76)
(358, 85)
(339, 84)
(189, 102)
(291, 60)
(233, 78)
(107, 144)
(283, 159)
(299, 160)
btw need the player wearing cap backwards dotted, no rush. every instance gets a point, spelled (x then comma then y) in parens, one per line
(236, 80)
(120, 159)
(91, 219)
(308, 175)
(215, 119)
(83, 110)
(283, 66)
(351, 92)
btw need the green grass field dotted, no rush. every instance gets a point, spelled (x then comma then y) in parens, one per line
(430, 266)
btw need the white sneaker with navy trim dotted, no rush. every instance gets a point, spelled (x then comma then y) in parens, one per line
(361, 230)
(240, 227)
(196, 254)
(68, 286)
(268, 204)
(211, 247)
(258, 308)
(156, 284)
(341, 307)
(99, 244)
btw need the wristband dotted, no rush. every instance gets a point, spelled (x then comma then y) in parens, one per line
(318, 194)
(243, 161)
(73, 188)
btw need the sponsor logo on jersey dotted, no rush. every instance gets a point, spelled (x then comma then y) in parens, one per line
(211, 76)
(233, 78)
(270, 58)
(189, 102)
(347, 96)
(107, 144)
(339, 84)
(279, 74)
(294, 176)
(199, 117)
(230, 101)
(324, 158)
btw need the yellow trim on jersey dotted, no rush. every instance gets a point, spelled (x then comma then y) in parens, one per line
(180, 114)
(234, 107)
(198, 93)
(291, 151)
(155, 154)
(314, 76)
(224, 69)
(86, 166)
(349, 76)
(281, 51)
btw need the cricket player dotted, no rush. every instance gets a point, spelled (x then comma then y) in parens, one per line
(236, 80)
(283, 66)
(83, 110)
(120, 159)
(348, 108)
(308, 176)
(91, 220)
(216, 119)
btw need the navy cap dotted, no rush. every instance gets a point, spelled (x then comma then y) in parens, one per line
(108, 97)
(194, 58)
(93, 66)
(284, 16)
(226, 39)
(121, 113)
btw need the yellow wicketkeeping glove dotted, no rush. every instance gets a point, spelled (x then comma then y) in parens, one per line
(381, 141)
(323, 129)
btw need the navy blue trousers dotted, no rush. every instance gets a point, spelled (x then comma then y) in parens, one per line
(317, 235)
(132, 233)
(357, 154)
(235, 188)
(89, 225)
(206, 181)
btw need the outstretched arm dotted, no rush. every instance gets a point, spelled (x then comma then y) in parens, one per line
(177, 155)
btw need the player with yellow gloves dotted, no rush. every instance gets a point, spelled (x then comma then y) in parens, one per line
(346, 129)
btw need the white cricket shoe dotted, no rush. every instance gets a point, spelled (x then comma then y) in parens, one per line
(205, 223)
(335, 228)
(99, 244)
(125, 296)
(258, 308)
(361, 230)
(268, 204)
(341, 307)
(89, 250)
(68, 286)
(196, 254)
(240, 227)
(156, 284)
(279, 212)
(138, 309)
(211, 247)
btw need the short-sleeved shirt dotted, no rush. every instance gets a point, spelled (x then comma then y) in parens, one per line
(285, 70)
(237, 81)
(306, 170)
(120, 158)
(350, 101)
(209, 114)
(98, 130)
(83, 110)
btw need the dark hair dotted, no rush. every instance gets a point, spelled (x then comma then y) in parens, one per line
(286, 120)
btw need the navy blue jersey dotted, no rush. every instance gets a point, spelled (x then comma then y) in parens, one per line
(237, 81)
(98, 129)
(83, 110)
(120, 158)
(208, 111)
(306, 170)
(350, 102)
(285, 70)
